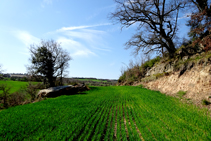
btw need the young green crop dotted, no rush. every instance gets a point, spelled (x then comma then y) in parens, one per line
(106, 113)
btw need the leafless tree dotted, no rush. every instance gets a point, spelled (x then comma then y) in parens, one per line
(48, 59)
(62, 60)
(156, 21)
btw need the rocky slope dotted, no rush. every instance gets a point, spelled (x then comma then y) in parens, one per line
(190, 74)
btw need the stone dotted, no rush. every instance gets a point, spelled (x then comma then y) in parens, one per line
(185, 58)
(190, 65)
(202, 73)
(156, 69)
(61, 90)
(169, 68)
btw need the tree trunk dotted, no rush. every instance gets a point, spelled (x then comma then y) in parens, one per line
(171, 48)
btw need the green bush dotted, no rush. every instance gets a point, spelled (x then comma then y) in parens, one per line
(122, 78)
(181, 93)
(137, 72)
(205, 102)
(141, 86)
(158, 75)
(151, 63)
(17, 98)
(5, 94)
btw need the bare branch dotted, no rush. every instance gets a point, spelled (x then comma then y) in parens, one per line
(150, 16)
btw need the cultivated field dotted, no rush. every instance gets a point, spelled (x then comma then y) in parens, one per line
(106, 113)
(15, 85)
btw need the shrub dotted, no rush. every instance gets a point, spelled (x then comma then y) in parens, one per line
(122, 78)
(141, 86)
(17, 98)
(32, 89)
(151, 63)
(158, 75)
(73, 83)
(5, 88)
(181, 93)
(205, 102)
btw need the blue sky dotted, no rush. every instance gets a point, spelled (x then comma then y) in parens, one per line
(82, 27)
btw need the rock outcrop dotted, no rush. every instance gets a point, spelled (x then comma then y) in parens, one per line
(61, 90)
(196, 81)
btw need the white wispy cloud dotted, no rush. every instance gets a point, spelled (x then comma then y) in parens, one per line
(112, 64)
(83, 41)
(186, 15)
(26, 38)
(75, 48)
(93, 38)
(78, 40)
(100, 10)
(46, 2)
(81, 27)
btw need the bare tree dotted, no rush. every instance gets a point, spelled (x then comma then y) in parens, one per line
(49, 60)
(62, 60)
(156, 21)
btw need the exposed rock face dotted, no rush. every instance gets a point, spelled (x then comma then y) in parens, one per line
(61, 90)
(196, 81)
(160, 68)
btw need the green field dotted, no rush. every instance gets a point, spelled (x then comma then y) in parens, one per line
(106, 113)
(96, 80)
(15, 85)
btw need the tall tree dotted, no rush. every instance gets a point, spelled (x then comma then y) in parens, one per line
(200, 4)
(156, 21)
(48, 59)
(200, 23)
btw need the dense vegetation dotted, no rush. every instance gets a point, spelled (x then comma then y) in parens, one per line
(136, 72)
(106, 113)
(14, 93)
(181, 63)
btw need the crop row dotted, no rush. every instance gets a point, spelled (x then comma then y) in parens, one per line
(106, 113)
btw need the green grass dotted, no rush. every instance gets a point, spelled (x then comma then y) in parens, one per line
(181, 93)
(106, 113)
(15, 85)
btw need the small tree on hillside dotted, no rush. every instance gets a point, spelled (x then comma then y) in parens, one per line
(49, 60)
